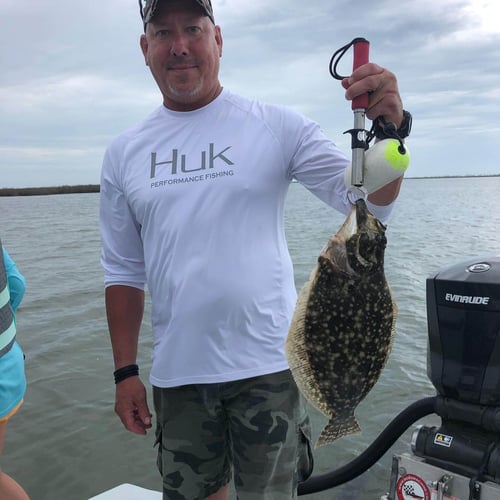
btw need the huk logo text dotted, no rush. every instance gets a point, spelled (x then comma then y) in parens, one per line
(181, 164)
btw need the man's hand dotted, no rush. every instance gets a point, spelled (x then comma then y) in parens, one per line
(382, 87)
(131, 405)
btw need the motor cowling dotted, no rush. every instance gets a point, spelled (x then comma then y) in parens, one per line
(463, 316)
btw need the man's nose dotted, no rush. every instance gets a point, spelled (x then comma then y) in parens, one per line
(179, 46)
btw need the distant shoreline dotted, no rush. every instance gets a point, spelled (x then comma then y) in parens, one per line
(37, 191)
(95, 188)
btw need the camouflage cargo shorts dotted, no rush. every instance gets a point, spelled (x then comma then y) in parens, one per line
(256, 429)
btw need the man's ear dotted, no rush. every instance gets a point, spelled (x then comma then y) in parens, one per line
(144, 47)
(218, 38)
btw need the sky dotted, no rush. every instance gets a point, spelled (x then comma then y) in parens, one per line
(73, 76)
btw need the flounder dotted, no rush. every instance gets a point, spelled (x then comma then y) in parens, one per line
(343, 326)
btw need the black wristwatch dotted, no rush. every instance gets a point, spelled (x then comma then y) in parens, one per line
(388, 130)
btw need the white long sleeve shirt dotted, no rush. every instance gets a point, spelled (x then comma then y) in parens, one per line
(192, 203)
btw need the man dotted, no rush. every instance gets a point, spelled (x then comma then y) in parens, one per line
(192, 203)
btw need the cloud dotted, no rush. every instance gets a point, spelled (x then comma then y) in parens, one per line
(74, 77)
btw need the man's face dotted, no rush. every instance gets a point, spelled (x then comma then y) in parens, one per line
(182, 48)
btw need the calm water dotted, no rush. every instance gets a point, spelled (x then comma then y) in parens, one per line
(66, 442)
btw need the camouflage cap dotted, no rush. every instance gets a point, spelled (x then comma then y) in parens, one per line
(150, 6)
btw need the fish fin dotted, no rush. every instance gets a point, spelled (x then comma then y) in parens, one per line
(393, 327)
(336, 429)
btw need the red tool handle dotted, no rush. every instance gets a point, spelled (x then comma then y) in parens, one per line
(361, 48)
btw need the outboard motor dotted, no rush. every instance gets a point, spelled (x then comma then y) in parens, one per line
(463, 315)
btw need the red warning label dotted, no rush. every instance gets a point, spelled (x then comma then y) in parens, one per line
(411, 487)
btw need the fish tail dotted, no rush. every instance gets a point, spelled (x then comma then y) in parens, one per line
(335, 429)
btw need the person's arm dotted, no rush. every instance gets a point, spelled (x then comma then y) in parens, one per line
(124, 277)
(124, 309)
(386, 194)
(17, 283)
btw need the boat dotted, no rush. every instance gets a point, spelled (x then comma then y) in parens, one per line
(128, 491)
